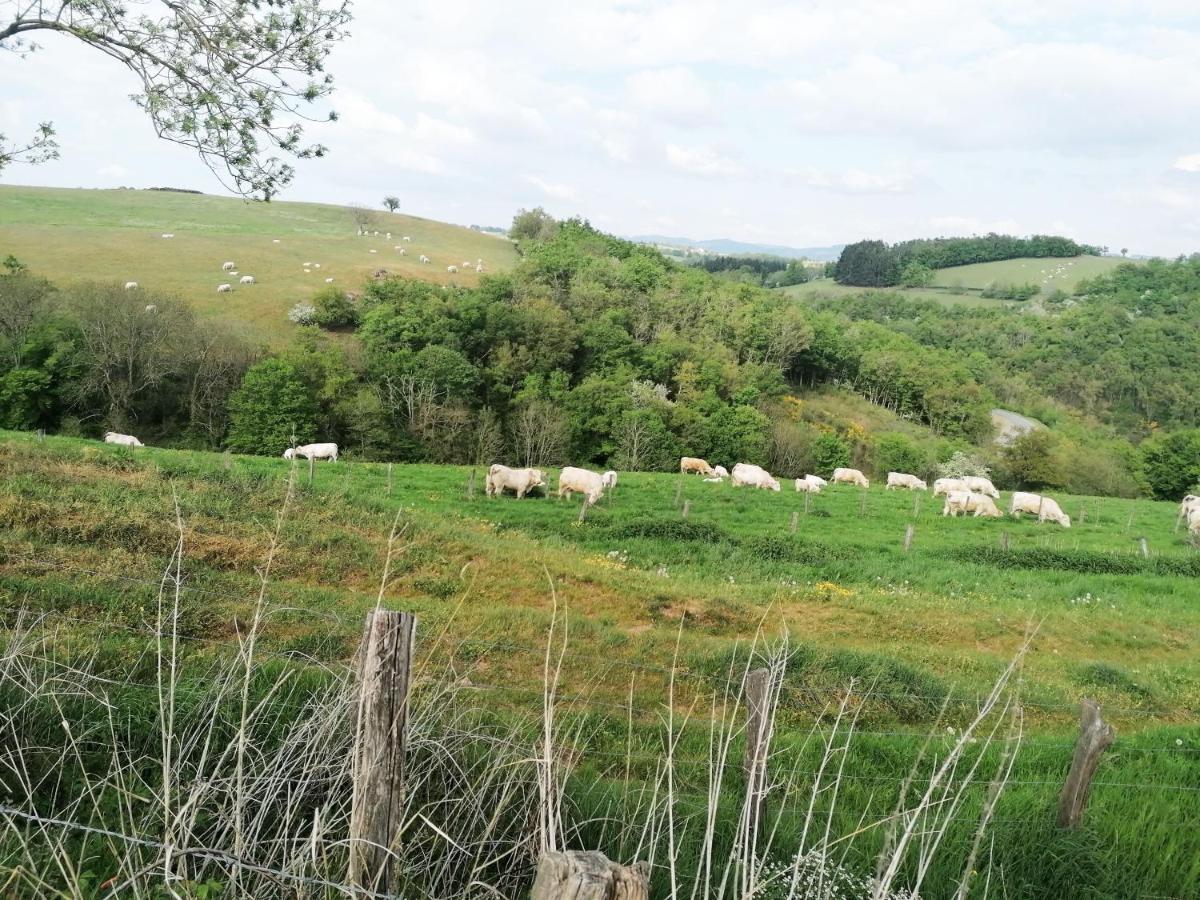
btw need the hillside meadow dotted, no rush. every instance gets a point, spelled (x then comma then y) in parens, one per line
(68, 235)
(658, 610)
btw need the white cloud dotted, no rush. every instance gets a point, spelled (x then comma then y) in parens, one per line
(858, 181)
(674, 94)
(702, 160)
(558, 191)
(1188, 163)
(968, 225)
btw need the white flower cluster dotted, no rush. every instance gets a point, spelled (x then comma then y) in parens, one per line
(303, 313)
(816, 875)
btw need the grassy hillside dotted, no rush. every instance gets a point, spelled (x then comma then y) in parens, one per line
(960, 285)
(1049, 274)
(90, 530)
(115, 235)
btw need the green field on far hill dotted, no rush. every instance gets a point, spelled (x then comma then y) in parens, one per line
(921, 633)
(68, 235)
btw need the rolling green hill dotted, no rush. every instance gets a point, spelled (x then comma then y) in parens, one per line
(116, 235)
(1050, 274)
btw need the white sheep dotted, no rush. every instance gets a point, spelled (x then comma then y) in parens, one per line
(452, 269)
(225, 288)
(151, 308)
(406, 238)
(131, 285)
(228, 266)
(329, 281)
(246, 279)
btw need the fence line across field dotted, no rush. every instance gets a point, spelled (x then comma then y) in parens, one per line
(167, 584)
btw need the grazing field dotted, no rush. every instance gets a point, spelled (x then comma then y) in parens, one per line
(910, 640)
(1049, 274)
(961, 285)
(116, 235)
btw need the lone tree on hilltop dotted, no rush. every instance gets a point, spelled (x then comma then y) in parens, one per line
(228, 78)
(391, 203)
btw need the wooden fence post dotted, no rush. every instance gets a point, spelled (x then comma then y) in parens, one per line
(795, 520)
(471, 486)
(862, 506)
(589, 875)
(389, 479)
(1144, 547)
(806, 496)
(687, 508)
(1082, 514)
(916, 505)
(377, 811)
(1095, 736)
(908, 536)
(311, 463)
(678, 489)
(583, 509)
(754, 762)
(1004, 541)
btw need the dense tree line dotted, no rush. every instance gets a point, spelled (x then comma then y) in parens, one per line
(877, 264)
(599, 351)
(765, 271)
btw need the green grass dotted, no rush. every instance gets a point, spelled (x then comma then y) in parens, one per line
(115, 235)
(827, 288)
(89, 529)
(1048, 274)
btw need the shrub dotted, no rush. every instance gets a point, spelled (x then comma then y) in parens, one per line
(303, 314)
(961, 464)
(270, 407)
(830, 451)
(897, 453)
(335, 309)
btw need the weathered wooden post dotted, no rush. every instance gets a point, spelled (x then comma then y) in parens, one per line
(589, 875)
(1129, 523)
(687, 508)
(795, 520)
(1041, 503)
(471, 486)
(377, 811)
(678, 489)
(583, 509)
(754, 762)
(1144, 548)
(1004, 541)
(389, 479)
(1082, 514)
(311, 462)
(1095, 736)
(806, 496)
(916, 505)
(908, 536)
(862, 506)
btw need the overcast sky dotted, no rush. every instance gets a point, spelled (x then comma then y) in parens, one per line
(801, 123)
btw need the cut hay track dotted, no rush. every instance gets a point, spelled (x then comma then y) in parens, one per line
(88, 534)
(116, 235)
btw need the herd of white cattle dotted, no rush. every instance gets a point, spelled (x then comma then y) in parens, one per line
(970, 495)
(229, 267)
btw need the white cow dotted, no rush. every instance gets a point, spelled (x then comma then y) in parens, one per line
(970, 502)
(720, 471)
(246, 279)
(124, 440)
(519, 481)
(946, 485)
(981, 485)
(131, 285)
(313, 451)
(807, 487)
(689, 465)
(452, 269)
(226, 288)
(817, 480)
(228, 266)
(1043, 507)
(753, 476)
(903, 480)
(580, 481)
(610, 480)
(850, 476)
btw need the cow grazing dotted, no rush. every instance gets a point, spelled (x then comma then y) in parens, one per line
(808, 487)
(850, 476)
(519, 481)
(1043, 507)
(123, 440)
(980, 485)
(313, 451)
(131, 285)
(228, 266)
(226, 288)
(946, 485)
(246, 279)
(609, 479)
(720, 471)
(969, 502)
(694, 465)
(902, 480)
(753, 476)
(817, 480)
(580, 481)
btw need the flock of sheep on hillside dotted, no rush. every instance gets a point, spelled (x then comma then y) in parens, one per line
(970, 494)
(229, 267)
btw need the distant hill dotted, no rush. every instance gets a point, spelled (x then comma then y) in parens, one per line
(116, 235)
(741, 248)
